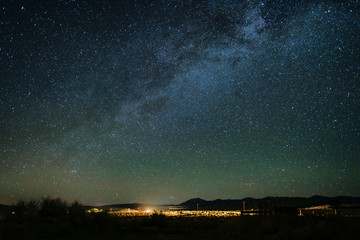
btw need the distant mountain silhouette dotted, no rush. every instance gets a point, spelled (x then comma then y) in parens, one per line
(252, 203)
(126, 205)
(217, 204)
(193, 202)
(4, 208)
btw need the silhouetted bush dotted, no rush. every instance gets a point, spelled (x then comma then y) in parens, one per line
(24, 211)
(159, 219)
(105, 220)
(54, 209)
(77, 214)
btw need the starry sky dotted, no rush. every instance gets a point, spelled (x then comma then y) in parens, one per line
(162, 101)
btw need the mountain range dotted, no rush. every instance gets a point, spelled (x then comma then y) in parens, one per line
(252, 203)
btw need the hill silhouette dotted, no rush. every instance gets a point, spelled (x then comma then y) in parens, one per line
(252, 203)
(3, 207)
(193, 202)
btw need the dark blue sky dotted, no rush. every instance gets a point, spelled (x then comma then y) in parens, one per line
(162, 101)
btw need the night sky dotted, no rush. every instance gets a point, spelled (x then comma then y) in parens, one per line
(162, 101)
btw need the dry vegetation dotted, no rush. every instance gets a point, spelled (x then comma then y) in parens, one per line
(55, 219)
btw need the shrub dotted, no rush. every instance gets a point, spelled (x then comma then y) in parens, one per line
(159, 219)
(24, 211)
(54, 209)
(77, 214)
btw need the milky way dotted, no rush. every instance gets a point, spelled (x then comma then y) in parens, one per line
(161, 101)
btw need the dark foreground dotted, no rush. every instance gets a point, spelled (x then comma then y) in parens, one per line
(157, 226)
(52, 218)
